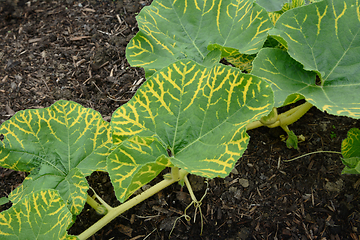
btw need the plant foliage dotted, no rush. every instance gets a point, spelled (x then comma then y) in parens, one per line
(59, 146)
(324, 38)
(198, 117)
(192, 112)
(174, 30)
(39, 215)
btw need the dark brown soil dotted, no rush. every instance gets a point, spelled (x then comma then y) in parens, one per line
(75, 50)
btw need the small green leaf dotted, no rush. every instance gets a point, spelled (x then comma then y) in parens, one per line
(292, 141)
(233, 56)
(350, 149)
(199, 114)
(350, 146)
(60, 146)
(174, 30)
(325, 38)
(352, 165)
(39, 215)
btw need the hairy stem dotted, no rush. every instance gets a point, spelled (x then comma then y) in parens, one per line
(114, 212)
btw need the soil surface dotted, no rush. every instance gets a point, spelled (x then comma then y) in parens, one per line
(75, 50)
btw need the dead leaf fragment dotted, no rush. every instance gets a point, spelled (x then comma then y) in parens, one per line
(124, 229)
(9, 110)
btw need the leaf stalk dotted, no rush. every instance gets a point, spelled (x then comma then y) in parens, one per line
(115, 212)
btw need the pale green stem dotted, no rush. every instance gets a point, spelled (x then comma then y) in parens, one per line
(307, 154)
(100, 209)
(188, 185)
(114, 212)
(197, 204)
(285, 128)
(104, 204)
(286, 118)
(295, 114)
(253, 125)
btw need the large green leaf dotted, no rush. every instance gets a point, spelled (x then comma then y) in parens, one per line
(134, 163)
(198, 116)
(325, 38)
(350, 149)
(72, 186)
(174, 30)
(290, 82)
(39, 215)
(59, 145)
(287, 77)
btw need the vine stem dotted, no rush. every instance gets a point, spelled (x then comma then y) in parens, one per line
(307, 154)
(176, 175)
(285, 118)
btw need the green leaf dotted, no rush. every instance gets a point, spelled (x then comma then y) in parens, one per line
(39, 215)
(232, 55)
(292, 141)
(135, 162)
(72, 187)
(174, 30)
(350, 149)
(275, 8)
(350, 146)
(325, 38)
(289, 81)
(212, 58)
(352, 165)
(199, 114)
(59, 145)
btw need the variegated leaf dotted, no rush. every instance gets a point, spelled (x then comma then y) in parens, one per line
(198, 116)
(41, 215)
(324, 37)
(174, 30)
(59, 145)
